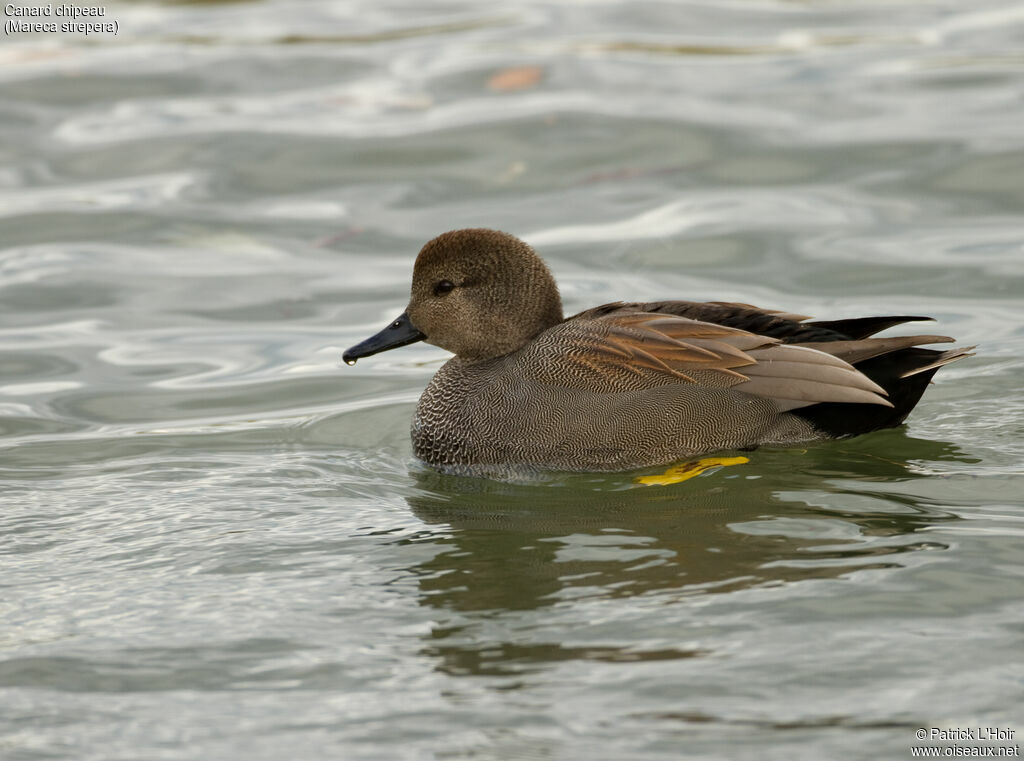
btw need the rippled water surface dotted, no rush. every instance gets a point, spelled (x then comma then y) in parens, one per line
(215, 541)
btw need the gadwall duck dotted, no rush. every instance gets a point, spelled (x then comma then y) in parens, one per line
(627, 386)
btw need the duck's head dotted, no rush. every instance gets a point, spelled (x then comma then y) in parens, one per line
(477, 293)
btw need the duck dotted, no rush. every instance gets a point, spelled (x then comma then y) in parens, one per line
(630, 385)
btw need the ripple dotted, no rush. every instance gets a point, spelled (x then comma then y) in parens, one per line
(706, 213)
(29, 389)
(135, 193)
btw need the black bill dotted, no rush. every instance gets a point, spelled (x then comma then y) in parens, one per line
(399, 333)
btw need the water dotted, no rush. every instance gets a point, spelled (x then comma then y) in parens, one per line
(216, 544)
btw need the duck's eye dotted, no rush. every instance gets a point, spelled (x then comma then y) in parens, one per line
(443, 287)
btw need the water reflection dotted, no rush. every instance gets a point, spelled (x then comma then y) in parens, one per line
(520, 548)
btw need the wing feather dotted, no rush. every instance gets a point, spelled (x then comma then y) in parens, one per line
(616, 350)
(866, 348)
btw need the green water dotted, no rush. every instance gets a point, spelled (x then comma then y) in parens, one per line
(215, 541)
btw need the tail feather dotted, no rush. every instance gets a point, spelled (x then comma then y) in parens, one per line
(863, 327)
(904, 373)
(942, 359)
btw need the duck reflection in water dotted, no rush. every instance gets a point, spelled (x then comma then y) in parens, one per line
(788, 516)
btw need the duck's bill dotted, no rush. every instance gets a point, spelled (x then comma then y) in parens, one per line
(401, 332)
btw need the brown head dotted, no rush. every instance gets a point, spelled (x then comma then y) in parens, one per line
(477, 293)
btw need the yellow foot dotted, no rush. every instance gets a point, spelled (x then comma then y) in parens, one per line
(687, 470)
